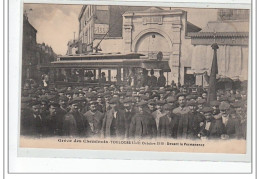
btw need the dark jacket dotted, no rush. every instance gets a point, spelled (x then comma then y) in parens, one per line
(195, 119)
(33, 126)
(232, 128)
(161, 81)
(113, 126)
(215, 129)
(153, 81)
(73, 125)
(143, 126)
(167, 128)
(127, 117)
(94, 120)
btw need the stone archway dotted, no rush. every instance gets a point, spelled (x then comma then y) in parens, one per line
(152, 40)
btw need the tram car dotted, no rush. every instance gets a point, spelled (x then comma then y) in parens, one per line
(101, 69)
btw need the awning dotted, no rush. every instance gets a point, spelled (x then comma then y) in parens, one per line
(161, 65)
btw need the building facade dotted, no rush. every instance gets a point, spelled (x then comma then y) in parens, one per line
(150, 30)
(100, 27)
(231, 32)
(34, 55)
(97, 22)
(159, 30)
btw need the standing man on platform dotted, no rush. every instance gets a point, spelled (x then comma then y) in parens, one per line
(161, 80)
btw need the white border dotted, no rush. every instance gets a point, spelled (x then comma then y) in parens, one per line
(15, 163)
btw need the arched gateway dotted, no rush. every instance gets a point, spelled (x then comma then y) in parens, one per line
(156, 29)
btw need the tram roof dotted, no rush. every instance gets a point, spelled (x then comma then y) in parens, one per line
(111, 64)
(91, 56)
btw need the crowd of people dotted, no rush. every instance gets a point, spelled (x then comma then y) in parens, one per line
(133, 112)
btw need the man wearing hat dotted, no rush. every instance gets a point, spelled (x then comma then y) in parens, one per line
(172, 101)
(74, 121)
(69, 95)
(102, 79)
(241, 117)
(196, 120)
(158, 112)
(151, 106)
(63, 102)
(25, 108)
(201, 103)
(54, 120)
(94, 118)
(127, 114)
(153, 79)
(34, 125)
(216, 112)
(230, 126)
(100, 104)
(44, 106)
(143, 124)
(212, 127)
(168, 123)
(183, 113)
(113, 123)
(161, 80)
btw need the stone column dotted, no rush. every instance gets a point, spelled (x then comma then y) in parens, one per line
(128, 34)
(174, 62)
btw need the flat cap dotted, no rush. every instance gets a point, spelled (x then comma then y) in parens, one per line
(160, 102)
(151, 102)
(93, 102)
(236, 105)
(113, 100)
(35, 103)
(170, 99)
(26, 99)
(223, 98)
(207, 109)
(51, 97)
(224, 106)
(161, 92)
(128, 94)
(89, 95)
(214, 103)
(231, 99)
(63, 98)
(56, 105)
(201, 101)
(142, 103)
(127, 100)
(76, 91)
(44, 98)
(192, 102)
(143, 97)
(167, 107)
(181, 94)
(74, 101)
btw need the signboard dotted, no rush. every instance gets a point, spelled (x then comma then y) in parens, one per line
(101, 29)
(152, 20)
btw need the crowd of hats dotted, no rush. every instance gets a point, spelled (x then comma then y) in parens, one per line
(139, 96)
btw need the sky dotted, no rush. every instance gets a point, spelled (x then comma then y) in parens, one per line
(56, 24)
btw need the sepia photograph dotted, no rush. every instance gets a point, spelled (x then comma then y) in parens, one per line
(134, 78)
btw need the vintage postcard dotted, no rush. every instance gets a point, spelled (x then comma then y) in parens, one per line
(135, 78)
